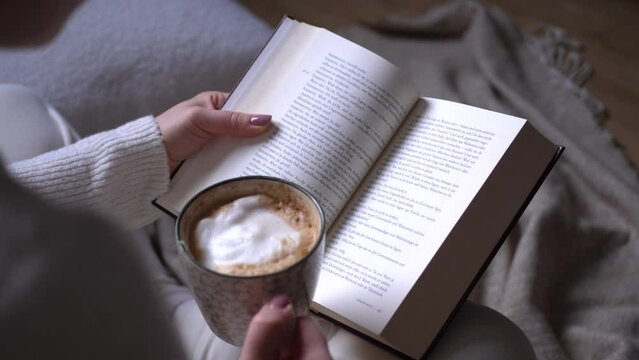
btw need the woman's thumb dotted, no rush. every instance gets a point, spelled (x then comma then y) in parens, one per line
(271, 330)
(233, 123)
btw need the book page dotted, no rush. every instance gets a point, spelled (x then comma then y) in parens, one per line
(407, 205)
(335, 105)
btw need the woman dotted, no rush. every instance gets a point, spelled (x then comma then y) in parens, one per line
(76, 286)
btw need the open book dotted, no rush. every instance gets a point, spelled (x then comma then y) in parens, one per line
(418, 192)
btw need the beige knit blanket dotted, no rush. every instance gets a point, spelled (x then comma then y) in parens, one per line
(569, 273)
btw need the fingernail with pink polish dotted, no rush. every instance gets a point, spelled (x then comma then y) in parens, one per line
(280, 301)
(260, 119)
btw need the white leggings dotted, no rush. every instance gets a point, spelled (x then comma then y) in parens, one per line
(29, 126)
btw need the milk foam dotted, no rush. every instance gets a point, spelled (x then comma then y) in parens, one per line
(244, 232)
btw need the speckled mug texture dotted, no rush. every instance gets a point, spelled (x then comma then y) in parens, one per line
(229, 302)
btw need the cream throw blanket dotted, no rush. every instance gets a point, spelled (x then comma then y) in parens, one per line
(569, 273)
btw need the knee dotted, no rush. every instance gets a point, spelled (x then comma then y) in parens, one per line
(27, 126)
(13, 93)
(479, 332)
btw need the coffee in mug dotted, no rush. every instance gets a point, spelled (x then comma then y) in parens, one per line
(255, 234)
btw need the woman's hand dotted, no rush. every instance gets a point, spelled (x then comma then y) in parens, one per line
(275, 334)
(189, 125)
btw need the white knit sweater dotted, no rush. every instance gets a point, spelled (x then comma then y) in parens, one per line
(116, 173)
(73, 286)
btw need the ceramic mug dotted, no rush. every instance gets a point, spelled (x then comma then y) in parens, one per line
(228, 302)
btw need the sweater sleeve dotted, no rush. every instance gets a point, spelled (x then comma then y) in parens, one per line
(116, 173)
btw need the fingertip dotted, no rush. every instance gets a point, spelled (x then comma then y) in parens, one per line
(271, 329)
(280, 302)
(218, 99)
(260, 120)
(274, 316)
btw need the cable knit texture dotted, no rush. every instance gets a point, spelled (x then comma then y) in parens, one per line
(117, 173)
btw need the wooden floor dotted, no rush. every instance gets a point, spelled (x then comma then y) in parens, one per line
(608, 29)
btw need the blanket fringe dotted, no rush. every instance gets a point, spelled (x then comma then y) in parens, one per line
(562, 55)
